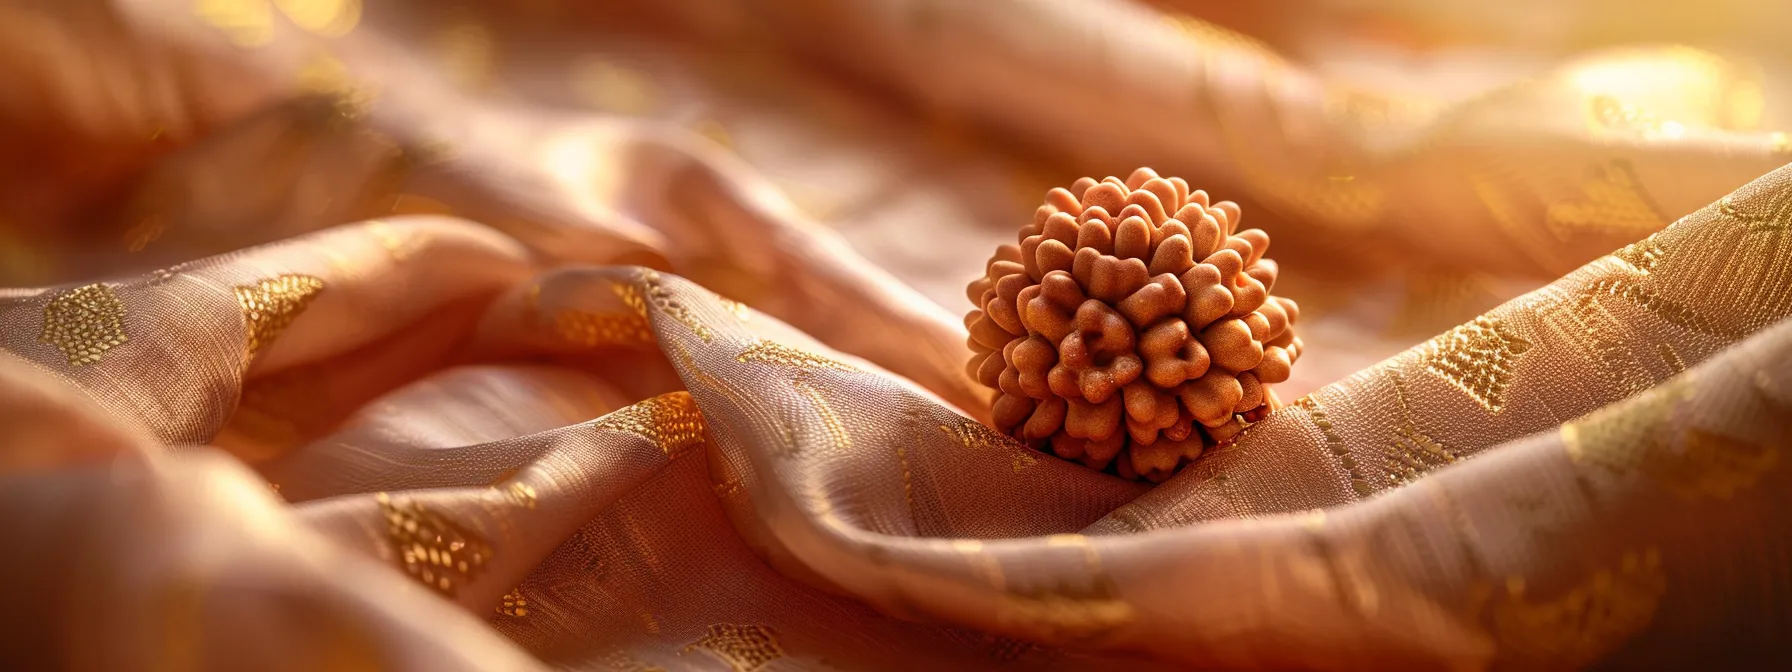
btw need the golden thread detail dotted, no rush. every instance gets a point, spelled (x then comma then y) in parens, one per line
(770, 352)
(1477, 358)
(84, 323)
(670, 422)
(514, 604)
(838, 437)
(431, 548)
(269, 307)
(745, 648)
(974, 436)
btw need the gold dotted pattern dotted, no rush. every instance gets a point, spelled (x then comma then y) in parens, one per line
(1582, 625)
(1611, 203)
(1334, 444)
(670, 421)
(84, 323)
(514, 604)
(1412, 453)
(1477, 358)
(593, 330)
(974, 436)
(769, 352)
(432, 548)
(269, 306)
(663, 300)
(745, 648)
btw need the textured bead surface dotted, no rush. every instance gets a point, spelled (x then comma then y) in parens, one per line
(1132, 326)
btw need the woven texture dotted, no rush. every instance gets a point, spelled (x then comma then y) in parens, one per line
(626, 336)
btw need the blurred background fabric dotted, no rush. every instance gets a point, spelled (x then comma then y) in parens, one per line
(626, 335)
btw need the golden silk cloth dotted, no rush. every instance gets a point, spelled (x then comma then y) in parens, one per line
(541, 335)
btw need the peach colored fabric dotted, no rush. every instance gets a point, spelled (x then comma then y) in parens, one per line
(444, 335)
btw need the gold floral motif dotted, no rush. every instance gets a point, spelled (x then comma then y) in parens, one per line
(269, 307)
(1611, 202)
(770, 352)
(1585, 623)
(514, 604)
(1412, 453)
(974, 435)
(1477, 358)
(744, 647)
(838, 438)
(431, 548)
(670, 421)
(84, 323)
(1670, 357)
(593, 330)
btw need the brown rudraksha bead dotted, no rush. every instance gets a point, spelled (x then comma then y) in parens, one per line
(1132, 326)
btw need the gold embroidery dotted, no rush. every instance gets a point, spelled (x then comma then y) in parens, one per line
(1758, 222)
(1630, 289)
(1582, 625)
(1335, 445)
(1611, 202)
(662, 299)
(432, 548)
(786, 440)
(735, 308)
(1638, 438)
(783, 355)
(84, 323)
(593, 330)
(269, 307)
(1413, 453)
(144, 232)
(1477, 358)
(744, 647)
(248, 23)
(1642, 255)
(670, 421)
(974, 436)
(514, 605)
(838, 437)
